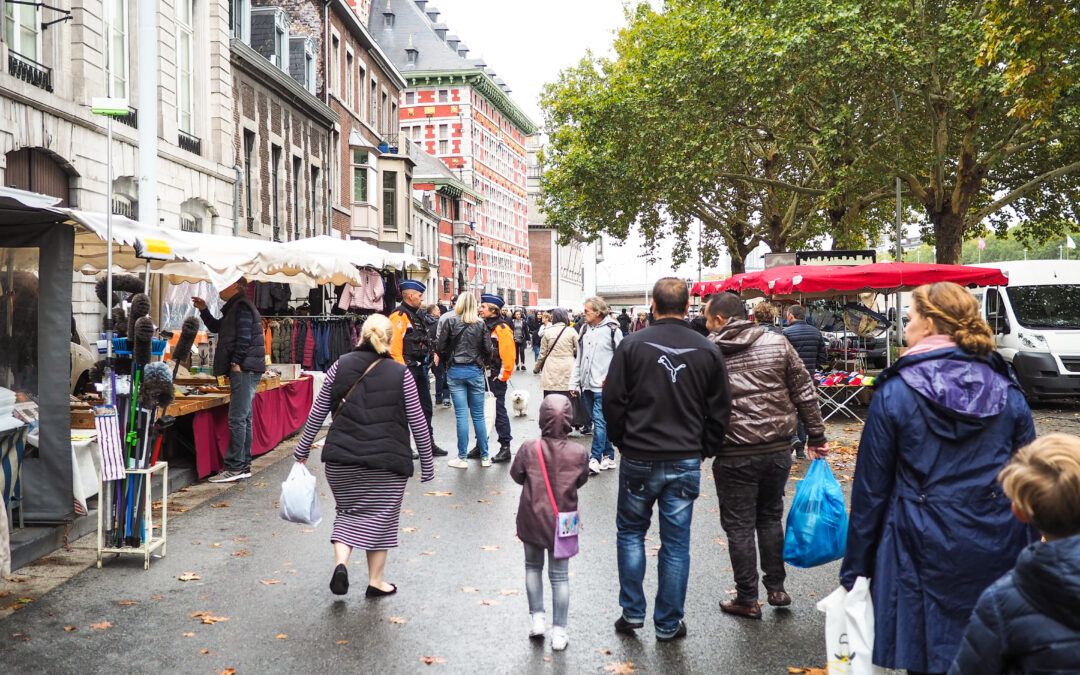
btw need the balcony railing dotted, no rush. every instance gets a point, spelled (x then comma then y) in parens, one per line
(30, 71)
(131, 119)
(190, 143)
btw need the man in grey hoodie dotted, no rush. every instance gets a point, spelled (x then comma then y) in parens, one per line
(600, 336)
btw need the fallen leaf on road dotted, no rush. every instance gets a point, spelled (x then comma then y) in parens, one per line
(487, 602)
(731, 591)
(508, 591)
(438, 494)
(189, 576)
(204, 651)
(457, 506)
(258, 484)
(547, 659)
(307, 531)
(215, 545)
(219, 506)
(496, 492)
(127, 602)
(620, 667)
(396, 619)
(211, 620)
(4, 594)
(239, 538)
(157, 597)
(15, 580)
(282, 636)
(654, 548)
(228, 671)
(470, 589)
(101, 626)
(196, 615)
(342, 642)
(243, 552)
(482, 501)
(269, 582)
(189, 634)
(489, 548)
(70, 628)
(432, 659)
(408, 529)
(605, 652)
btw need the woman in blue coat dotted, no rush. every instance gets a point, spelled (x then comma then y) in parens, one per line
(929, 525)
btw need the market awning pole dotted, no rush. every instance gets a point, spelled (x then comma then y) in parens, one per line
(111, 398)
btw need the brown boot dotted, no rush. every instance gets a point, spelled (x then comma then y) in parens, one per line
(779, 599)
(749, 611)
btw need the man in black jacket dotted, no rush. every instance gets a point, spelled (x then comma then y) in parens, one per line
(241, 354)
(810, 345)
(666, 400)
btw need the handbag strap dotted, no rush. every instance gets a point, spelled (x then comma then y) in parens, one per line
(543, 359)
(543, 468)
(341, 403)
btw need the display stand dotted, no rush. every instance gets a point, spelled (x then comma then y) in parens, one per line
(835, 398)
(150, 542)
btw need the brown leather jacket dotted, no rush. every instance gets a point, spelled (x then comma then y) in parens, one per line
(770, 391)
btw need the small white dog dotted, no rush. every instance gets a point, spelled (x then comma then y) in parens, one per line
(520, 399)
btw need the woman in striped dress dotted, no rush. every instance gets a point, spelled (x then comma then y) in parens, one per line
(367, 457)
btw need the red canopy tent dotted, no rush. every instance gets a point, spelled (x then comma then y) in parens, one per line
(810, 281)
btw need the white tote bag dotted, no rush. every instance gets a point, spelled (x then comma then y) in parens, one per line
(849, 630)
(299, 502)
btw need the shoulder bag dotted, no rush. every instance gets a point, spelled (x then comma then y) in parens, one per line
(567, 523)
(543, 359)
(341, 403)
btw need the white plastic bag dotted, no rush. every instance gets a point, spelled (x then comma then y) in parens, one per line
(849, 630)
(299, 501)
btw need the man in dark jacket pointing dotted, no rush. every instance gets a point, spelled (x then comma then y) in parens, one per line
(666, 402)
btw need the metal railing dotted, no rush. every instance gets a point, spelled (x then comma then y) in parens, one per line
(29, 71)
(131, 119)
(188, 142)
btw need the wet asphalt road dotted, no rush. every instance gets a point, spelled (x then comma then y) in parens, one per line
(461, 598)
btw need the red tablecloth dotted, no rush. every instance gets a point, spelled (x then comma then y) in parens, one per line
(276, 414)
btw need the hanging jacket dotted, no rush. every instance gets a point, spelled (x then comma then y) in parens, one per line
(567, 466)
(929, 524)
(1029, 620)
(770, 391)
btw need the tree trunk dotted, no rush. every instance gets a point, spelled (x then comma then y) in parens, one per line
(738, 265)
(948, 235)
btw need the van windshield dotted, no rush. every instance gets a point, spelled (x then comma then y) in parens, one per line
(1046, 306)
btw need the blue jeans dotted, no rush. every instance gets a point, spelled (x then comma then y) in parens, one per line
(242, 387)
(536, 350)
(674, 485)
(601, 446)
(467, 391)
(441, 391)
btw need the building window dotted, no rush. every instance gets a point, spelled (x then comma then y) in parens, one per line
(361, 78)
(309, 70)
(385, 113)
(249, 150)
(238, 19)
(275, 172)
(350, 88)
(313, 225)
(388, 19)
(410, 98)
(374, 101)
(184, 64)
(281, 41)
(189, 223)
(444, 147)
(416, 131)
(335, 64)
(116, 48)
(389, 200)
(444, 96)
(360, 175)
(21, 30)
(297, 167)
(393, 117)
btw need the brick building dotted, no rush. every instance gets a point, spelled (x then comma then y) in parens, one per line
(460, 111)
(443, 198)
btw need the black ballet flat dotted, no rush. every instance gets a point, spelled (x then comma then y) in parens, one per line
(339, 582)
(373, 592)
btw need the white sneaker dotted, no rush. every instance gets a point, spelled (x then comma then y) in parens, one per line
(538, 625)
(608, 463)
(559, 638)
(485, 462)
(594, 467)
(458, 463)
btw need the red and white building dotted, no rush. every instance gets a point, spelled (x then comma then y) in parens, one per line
(457, 109)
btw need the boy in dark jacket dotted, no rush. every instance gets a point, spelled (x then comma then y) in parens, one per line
(567, 470)
(1029, 620)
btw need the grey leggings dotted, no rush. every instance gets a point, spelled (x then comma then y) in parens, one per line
(534, 583)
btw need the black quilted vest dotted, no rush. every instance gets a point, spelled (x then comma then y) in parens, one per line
(371, 429)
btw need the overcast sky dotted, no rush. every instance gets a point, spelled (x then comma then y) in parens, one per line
(527, 44)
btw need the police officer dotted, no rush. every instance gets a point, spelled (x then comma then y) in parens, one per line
(503, 356)
(412, 345)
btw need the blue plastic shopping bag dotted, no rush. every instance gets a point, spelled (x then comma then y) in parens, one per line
(817, 523)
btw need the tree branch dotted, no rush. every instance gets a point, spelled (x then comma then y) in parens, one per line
(917, 189)
(1020, 192)
(814, 192)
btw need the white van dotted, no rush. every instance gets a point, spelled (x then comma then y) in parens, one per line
(1036, 321)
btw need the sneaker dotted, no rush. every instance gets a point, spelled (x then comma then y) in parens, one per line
(538, 625)
(438, 452)
(458, 463)
(575, 433)
(446, 404)
(503, 455)
(627, 627)
(586, 431)
(801, 454)
(559, 638)
(485, 462)
(230, 476)
(680, 632)
(594, 467)
(474, 453)
(608, 463)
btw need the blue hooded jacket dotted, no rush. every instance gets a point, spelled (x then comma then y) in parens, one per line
(1029, 621)
(929, 525)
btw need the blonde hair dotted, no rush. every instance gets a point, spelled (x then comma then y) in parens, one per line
(955, 312)
(378, 332)
(466, 308)
(1043, 482)
(764, 313)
